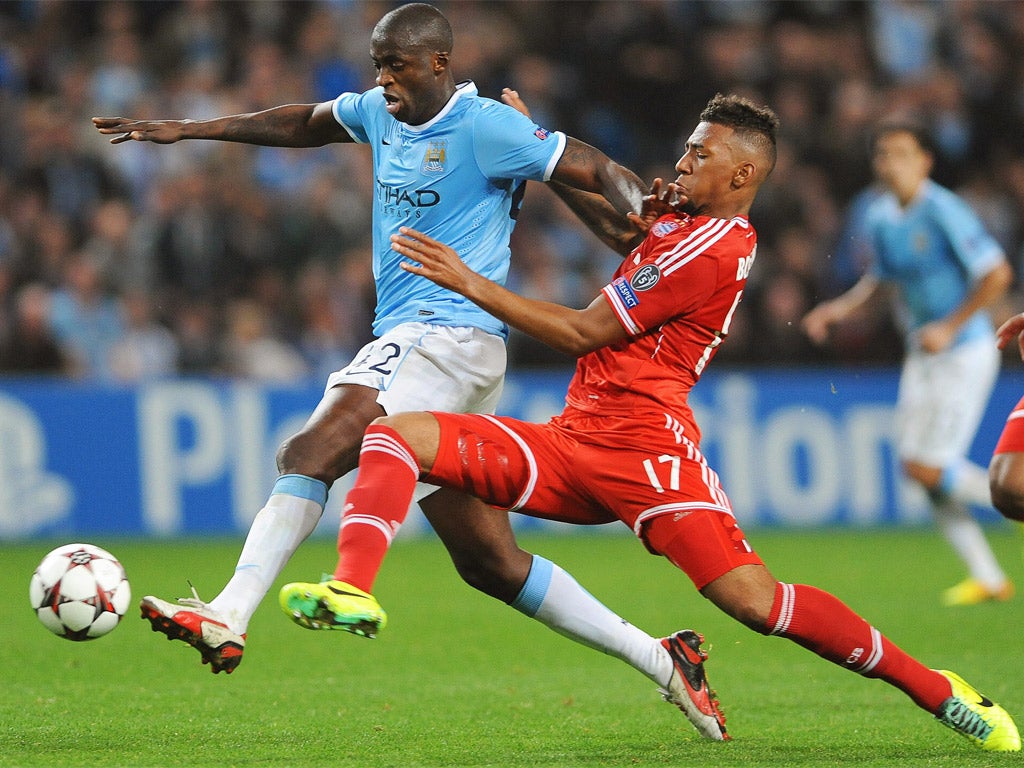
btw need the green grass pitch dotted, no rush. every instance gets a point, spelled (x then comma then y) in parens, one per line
(458, 679)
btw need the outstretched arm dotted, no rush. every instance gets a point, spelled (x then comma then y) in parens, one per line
(572, 331)
(589, 169)
(290, 125)
(819, 321)
(620, 233)
(608, 198)
(600, 217)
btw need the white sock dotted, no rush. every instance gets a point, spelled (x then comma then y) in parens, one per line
(967, 482)
(290, 515)
(968, 541)
(556, 599)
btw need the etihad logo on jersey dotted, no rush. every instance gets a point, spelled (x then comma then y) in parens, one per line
(662, 228)
(436, 156)
(396, 199)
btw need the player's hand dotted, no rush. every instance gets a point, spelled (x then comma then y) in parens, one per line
(1014, 327)
(936, 336)
(656, 204)
(511, 97)
(436, 261)
(818, 322)
(124, 129)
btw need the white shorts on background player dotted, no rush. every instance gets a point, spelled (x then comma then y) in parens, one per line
(941, 400)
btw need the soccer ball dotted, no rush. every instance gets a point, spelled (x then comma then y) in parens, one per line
(79, 591)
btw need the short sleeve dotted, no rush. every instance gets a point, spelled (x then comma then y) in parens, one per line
(974, 247)
(649, 295)
(353, 112)
(508, 145)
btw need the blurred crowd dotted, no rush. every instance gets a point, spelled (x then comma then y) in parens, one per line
(122, 263)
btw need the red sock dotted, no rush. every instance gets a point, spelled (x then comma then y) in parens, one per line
(822, 623)
(376, 506)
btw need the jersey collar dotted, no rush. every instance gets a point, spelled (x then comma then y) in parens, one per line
(465, 88)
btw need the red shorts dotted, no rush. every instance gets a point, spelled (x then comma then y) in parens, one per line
(594, 470)
(1012, 438)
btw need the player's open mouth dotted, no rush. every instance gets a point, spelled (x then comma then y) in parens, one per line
(391, 103)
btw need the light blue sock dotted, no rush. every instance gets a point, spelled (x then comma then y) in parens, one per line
(532, 594)
(556, 599)
(304, 487)
(291, 513)
(966, 482)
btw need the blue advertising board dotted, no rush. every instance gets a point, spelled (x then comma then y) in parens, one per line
(189, 456)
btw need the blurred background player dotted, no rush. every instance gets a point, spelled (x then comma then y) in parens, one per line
(947, 271)
(627, 446)
(1006, 469)
(455, 165)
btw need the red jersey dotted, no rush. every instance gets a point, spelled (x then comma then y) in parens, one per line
(675, 295)
(626, 446)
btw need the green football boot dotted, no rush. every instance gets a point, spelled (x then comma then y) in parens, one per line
(977, 717)
(333, 604)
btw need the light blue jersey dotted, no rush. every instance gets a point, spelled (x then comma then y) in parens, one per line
(459, 178)
(934, 250)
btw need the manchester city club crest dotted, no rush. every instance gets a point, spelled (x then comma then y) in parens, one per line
(436, 156)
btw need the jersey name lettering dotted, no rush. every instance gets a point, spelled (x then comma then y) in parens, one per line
(745, 264)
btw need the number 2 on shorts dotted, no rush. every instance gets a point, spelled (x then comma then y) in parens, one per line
(379, 360)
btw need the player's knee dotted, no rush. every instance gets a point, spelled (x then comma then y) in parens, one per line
(1008, 498)
(314, 455)
(294, 456)
(418, 429)
(1006, 484)
(927, 477)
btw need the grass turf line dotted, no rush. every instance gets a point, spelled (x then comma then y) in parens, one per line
(458, 679)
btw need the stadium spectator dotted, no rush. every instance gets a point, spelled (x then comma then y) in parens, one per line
(253, 351)
(195, 325)
(147, 349)
(945, 271)
(86, 318)
(582, 63)
(455, 164)
(28, 346)
(626, 446)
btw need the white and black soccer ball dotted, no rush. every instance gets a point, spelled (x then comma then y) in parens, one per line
(79, 591)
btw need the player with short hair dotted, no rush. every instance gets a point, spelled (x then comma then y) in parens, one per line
(626, 446)
(946, 270)
(1006, 468)
(455, 165)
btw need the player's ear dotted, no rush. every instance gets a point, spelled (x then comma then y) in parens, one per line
(441, 60)
(742, 174)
